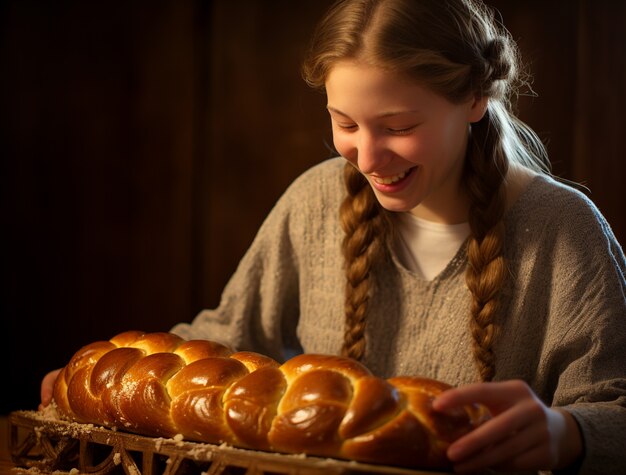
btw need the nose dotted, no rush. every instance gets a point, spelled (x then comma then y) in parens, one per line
(371, 152)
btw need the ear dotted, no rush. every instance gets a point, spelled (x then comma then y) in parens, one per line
(478, 109)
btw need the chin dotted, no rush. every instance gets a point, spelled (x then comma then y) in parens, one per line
(396, 207)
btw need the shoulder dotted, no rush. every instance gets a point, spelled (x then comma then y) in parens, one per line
(311, 197)
(326, 173)
(320, 184)
(556, 205)
(556, 218)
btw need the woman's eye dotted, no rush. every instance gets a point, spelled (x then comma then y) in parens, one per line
(347, 126)
(402, 130)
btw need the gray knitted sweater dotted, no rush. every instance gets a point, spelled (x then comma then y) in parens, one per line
(562, 329)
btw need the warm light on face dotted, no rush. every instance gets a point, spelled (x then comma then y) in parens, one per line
(407, 141)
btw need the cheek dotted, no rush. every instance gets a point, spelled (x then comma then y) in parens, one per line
(430, 146)
(415, 149)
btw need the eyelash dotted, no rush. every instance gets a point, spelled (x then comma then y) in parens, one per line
(346, 127)
(404, 131)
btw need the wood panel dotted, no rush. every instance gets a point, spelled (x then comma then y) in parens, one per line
(599, 139)
(574, 53)
(266, 125)
(97, 129)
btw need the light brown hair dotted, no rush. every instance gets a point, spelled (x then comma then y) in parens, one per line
(458, 50)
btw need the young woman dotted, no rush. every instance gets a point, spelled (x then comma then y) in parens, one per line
(439, 245)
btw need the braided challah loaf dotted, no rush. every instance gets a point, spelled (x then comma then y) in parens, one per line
(158, 384)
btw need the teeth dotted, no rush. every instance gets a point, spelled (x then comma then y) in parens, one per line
(388, 180)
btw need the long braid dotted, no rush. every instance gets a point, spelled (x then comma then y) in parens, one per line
(486, 270)
(362, 220)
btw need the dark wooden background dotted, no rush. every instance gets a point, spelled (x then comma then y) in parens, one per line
(143, 143)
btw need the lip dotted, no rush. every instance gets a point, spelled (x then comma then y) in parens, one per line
(396, 186)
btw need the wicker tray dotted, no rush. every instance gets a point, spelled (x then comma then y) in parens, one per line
(67, 447)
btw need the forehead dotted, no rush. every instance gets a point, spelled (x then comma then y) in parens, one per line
(356, 85)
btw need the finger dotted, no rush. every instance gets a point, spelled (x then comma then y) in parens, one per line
(532, 458)
(517, 419)
(459, 396)
(496, 396)
(527, 446)
(493, 460)
(47, 386)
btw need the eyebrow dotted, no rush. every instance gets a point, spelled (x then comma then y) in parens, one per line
(380, 116)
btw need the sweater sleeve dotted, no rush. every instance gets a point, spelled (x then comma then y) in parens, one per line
(585, 352)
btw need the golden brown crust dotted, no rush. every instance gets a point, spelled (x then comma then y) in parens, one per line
(160, 385)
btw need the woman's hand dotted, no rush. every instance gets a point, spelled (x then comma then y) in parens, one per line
(523, 434)
(47, 385)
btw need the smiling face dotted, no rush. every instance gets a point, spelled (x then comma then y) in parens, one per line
(406, 140)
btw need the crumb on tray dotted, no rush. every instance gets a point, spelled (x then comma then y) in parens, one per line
(179, 439)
